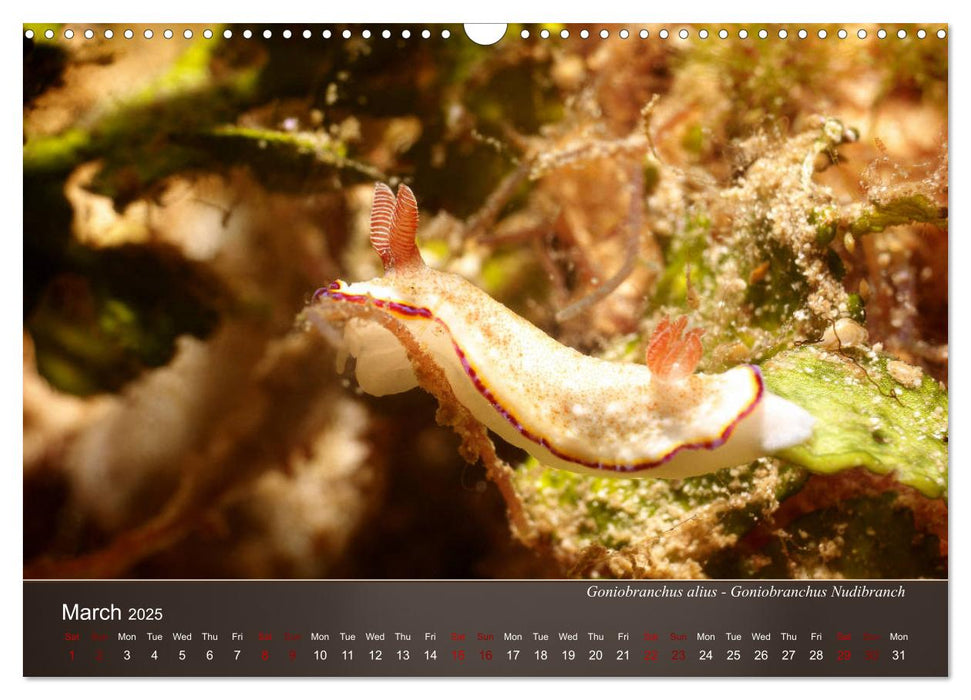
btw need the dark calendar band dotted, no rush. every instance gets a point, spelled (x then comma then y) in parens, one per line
(485, 628)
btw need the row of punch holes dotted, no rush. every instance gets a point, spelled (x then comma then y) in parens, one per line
(524, 33)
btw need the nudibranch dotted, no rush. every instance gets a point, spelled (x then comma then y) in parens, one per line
(568, 410)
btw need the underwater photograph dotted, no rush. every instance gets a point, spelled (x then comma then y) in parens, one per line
(380, 302)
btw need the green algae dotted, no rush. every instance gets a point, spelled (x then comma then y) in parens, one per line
(616, 513)
(865, 418)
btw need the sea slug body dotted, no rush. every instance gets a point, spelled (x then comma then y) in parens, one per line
(568, 410)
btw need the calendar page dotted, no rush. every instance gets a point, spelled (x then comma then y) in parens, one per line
(613, 350)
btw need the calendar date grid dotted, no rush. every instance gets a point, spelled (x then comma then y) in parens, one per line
(479, 628)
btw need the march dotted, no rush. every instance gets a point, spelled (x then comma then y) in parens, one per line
(83, 613)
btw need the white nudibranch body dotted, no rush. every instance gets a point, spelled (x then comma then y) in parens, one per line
(568, 410)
